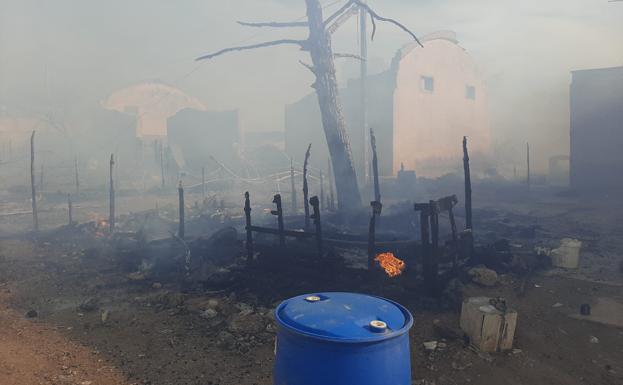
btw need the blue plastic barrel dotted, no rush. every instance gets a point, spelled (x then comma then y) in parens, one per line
(342, 339)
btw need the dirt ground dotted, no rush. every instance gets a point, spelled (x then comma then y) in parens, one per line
(95, 326)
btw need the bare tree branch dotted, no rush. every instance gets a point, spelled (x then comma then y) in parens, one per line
(308, 66)
(275, 24)
(375, 16)
(300, 43)
(342, 19)
(338, 12)
(348, 55)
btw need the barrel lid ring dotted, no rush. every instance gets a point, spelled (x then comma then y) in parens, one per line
(312, 298)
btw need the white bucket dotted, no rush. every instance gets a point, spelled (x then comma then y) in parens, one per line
(568, 254)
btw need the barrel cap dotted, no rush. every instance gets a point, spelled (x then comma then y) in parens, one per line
(344, 317)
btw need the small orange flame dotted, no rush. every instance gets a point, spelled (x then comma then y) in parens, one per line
(392, 265)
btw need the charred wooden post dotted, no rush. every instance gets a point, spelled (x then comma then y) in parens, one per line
(180, 194)
(447, 204)
(279, 213)
(247, 215)
(292, 188)
(35, 217)
(425, 247)
(316, 217)
(111, 199)
(375, 167)
(76, 176)
(434, 254)
(468, 186)
(69, 210)
(376, 211)
(306, 186)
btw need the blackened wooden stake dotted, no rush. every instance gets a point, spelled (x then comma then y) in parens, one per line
(375, 167)
(306, 186)
(247, 214)
(316, 217)
(376, 210)
(180, 193)
(279, 213)
(434, 264)
(111, 199)
(455, 241)
(35, 217)
(468, 186)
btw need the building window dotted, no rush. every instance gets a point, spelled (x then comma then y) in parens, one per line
(427, 84)
(470, 92)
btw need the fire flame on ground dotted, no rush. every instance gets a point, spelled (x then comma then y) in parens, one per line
(392, 265)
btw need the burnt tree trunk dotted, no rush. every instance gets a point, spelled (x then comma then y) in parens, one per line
(348, 196)
(35, 217)
(375, 168)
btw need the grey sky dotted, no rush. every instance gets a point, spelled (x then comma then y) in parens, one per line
(68, 52)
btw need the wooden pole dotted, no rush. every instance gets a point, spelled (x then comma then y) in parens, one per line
(468, 186)
(247, 214)
(528, 165)
(316, 217)
(69, 210)
(424, 210)
(455, 240)
(180, 193)
(35, 217)
(111, 214)
(292, 188)
(76, 176)
(363, 63)
(434, 255)
(279, 213)
(375, 167)
(376, 210)
(306, 186)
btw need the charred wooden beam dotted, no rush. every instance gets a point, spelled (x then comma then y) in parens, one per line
(316, 217)
(180, 195)
(425, 246)
(375, 168)
(431, 277)
(322, 201)
(376, 211)
(247, 214)
(279, 213)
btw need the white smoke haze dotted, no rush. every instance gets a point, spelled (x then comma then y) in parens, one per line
(66, 54)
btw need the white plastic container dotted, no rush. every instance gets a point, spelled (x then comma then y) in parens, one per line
(568, 254)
